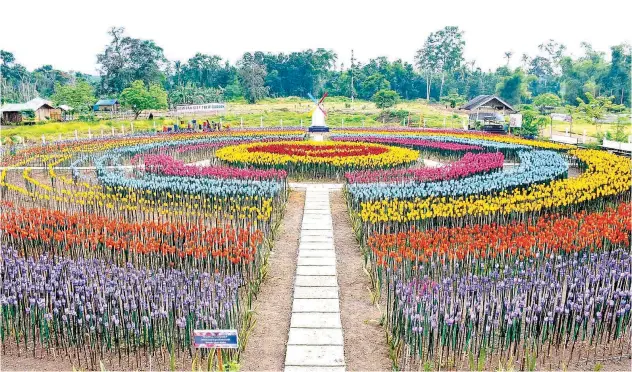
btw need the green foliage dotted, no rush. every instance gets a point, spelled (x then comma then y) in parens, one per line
(453, 99)
(514, 87)
(139, 98)
(385, 98)
(252, 75)
(79, 95)
(192, 95)
(545, 101)
(596, 107)
(532, 121)
(28, 114)
(126, 60)
(442, 53)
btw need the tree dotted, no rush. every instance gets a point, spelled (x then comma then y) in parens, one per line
(385, 98)
(596, 107)
(442, 53)
(138, 98)
(508, 55)
(127, 59)
(531, 121)
(16, 82)
(513, 88)
(618, 78)
(193, 95)
(453, 99)
(252, 77)
(79, 95)
(546, 100)
(372, 85)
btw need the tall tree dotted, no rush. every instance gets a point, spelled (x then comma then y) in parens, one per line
(442, 53)
(127, 59)
(252, 77)
(16, 82)
(514, 87)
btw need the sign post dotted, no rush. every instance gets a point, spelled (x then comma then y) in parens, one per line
(216, 339)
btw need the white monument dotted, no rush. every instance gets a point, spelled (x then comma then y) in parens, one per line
(318, 116)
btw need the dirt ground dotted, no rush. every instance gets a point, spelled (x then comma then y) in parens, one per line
(266, 346)
(365, 340)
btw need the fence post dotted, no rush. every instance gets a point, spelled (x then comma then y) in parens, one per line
(444, 122)
(43, 139)
(281, 123)
(113, 130)
(154, 125)
(76, 135)
(584, 137)
(101, 132)
(131, 124)
(362, 123)
(424, 122)
(261, 122)
(343, 122)
(59, 136)
(301, 123)
(89, 133)
(242, 122)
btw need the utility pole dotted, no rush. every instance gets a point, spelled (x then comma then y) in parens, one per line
(352, 68)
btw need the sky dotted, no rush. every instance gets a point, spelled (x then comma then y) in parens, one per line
(68, 34)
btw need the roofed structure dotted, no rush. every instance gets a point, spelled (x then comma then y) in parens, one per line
(43, 109)
(490, 110)
(108, 104)
(488, 102)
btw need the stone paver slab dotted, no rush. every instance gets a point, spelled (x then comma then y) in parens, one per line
(315, 320)
(316, 281)
(316, 292)
(318, 233)
(317, 246)
(316, 270)
(299, 355)
(316, 261)
(311, 305)
(316, 253)
(313, 369)
(314, 336)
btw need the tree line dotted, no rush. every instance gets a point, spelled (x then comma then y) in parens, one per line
(439, 73)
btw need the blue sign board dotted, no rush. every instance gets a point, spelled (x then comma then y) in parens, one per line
(216, 339)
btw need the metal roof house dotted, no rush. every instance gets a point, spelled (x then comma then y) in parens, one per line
(489, 109)
(106, 105)
(42, 109)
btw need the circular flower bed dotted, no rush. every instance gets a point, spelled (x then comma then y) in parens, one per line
(317, 159)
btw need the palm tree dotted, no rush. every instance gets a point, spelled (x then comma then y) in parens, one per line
(508, 56)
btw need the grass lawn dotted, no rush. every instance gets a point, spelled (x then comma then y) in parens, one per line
(578, 127)
(290, 110)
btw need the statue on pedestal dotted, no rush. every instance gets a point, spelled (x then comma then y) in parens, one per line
(318, 115)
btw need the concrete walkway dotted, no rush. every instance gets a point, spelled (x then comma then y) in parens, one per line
(315, 341)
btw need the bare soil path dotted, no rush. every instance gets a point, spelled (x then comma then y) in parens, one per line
(266, 345)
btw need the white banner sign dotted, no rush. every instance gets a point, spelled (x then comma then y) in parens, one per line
(201, 108)
(515, 120)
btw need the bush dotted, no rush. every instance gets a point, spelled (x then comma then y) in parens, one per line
(385, 98)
